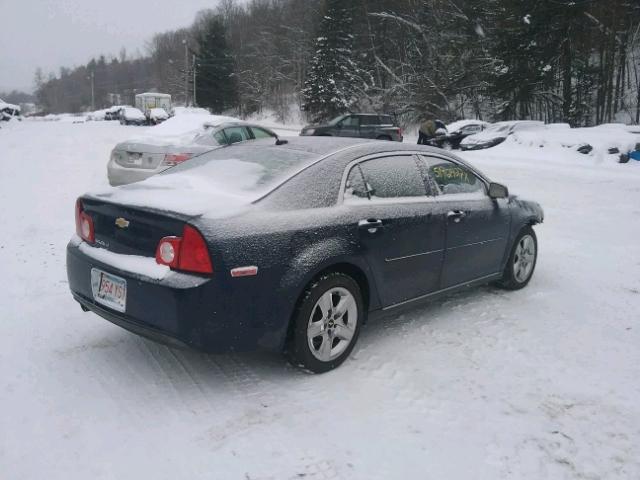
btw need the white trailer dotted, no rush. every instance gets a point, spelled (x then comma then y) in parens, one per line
(146, 101)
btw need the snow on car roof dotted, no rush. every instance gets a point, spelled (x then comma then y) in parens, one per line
(457, 125)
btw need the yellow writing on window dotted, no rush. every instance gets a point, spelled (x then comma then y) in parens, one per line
(451, 173)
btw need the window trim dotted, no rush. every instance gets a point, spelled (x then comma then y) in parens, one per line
(416, 153)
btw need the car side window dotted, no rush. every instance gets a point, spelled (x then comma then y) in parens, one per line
(351, 121)
(355, 187)
(261, 133)
(236, 134)
(471, 129)
(384, 178)
(368, 120)
(450, 178)
(220, 138)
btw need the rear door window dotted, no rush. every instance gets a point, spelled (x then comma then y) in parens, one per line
(386, 178)
(368, 120)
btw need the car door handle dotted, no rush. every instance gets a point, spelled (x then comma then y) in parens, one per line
(371, 225)
(456, 215)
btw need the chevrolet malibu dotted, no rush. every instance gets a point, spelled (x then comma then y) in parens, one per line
(292, 246)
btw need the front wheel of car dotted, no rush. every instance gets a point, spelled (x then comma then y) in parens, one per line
(326, 323)
(522, 261)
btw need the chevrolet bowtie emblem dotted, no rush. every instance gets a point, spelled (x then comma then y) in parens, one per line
(122, 222)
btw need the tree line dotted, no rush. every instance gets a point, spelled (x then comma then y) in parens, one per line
(574, 61)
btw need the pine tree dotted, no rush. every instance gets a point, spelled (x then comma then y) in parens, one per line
(215, 80)
(334, 81)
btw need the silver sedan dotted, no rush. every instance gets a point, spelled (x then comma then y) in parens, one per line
(137, 160)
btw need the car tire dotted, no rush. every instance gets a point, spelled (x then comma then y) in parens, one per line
(321, 336)
(522, 261)
(385, 137)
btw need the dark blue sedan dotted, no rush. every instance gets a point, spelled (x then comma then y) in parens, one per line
(292, 246)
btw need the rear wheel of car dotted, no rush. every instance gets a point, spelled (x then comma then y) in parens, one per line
(326, 323)
(385, 137)
(522, 261)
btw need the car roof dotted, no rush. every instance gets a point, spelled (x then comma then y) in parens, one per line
(321, 147)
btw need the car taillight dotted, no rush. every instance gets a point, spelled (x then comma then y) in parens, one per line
(84, 224)
(173, 159)
(188, 253)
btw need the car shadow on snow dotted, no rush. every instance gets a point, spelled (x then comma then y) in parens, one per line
(129, 358)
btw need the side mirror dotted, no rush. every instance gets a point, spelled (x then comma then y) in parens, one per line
(497, 191)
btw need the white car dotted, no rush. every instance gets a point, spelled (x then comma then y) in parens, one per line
(141, 158)
(158, 115)
(132, 116)
(497, 133)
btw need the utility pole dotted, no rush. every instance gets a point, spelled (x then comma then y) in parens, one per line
(194, 80)
(186, 72)
(93, 97)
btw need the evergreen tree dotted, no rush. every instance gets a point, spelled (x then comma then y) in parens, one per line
(334, 81)
(215, 80)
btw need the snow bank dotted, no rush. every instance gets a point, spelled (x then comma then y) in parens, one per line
(601, 138)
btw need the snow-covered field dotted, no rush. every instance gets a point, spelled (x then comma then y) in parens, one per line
(538, 384)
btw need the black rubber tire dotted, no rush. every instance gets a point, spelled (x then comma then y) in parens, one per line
(508, 280)
(297, 349)
(385, 137)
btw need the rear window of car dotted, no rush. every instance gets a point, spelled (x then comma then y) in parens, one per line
(386, 120)
(245, 168)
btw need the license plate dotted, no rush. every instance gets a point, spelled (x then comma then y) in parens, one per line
(109, 290)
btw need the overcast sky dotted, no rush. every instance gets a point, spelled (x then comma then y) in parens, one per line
(55, 33)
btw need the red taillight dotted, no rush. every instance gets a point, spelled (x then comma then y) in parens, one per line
(84, 224)
(173, 159)
(400, 132)
(188, 253)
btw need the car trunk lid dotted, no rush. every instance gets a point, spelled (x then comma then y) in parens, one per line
(131, 230)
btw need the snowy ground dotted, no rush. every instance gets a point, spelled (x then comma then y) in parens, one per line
(542, 383)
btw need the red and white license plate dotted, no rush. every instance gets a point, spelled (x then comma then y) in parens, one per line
(109, 290)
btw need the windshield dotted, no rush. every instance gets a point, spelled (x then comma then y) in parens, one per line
(244, 168)
(498, 128)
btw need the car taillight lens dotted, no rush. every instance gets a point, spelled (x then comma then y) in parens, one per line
(84, 224)
(173, 159)
(188, 253)
(400, 132)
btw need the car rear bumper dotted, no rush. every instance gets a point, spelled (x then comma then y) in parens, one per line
(200, 312)
(119, 175)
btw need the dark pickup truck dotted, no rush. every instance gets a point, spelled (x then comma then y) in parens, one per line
(358, 125)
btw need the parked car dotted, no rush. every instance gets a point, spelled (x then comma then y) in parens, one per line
(456, 132)
(496, 134)
(113, 113)
(136, 160)
(360, 125)
(132, 116)
(158, 115)
(9, 111)
(292, 246)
